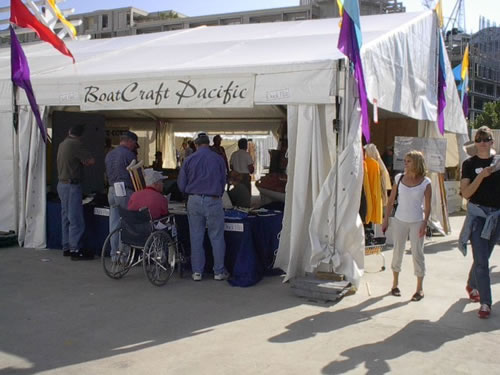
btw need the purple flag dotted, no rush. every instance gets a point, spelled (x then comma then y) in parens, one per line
(465, 104)
(441, 85)
(441, 101)
(21, 77)
(349, 46)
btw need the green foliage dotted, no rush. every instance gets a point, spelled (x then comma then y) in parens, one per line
(490, 117)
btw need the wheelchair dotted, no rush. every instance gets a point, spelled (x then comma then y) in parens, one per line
(140, 239)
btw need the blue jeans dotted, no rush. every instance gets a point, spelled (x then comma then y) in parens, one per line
(114, 214)
(479, 275)
(73, 224)
(206, 212)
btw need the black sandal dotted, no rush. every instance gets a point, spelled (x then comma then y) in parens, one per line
(396, 292)
(417, 296)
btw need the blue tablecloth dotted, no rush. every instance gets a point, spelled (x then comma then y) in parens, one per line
(96, 227)
(249, 253)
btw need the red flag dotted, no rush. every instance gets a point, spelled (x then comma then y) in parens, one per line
(22, 17)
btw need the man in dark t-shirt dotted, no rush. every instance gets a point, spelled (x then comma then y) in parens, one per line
(72, 156)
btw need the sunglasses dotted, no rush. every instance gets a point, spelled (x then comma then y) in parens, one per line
(479, 140)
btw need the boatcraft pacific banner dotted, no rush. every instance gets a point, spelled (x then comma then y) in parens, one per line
(350, 41)
(188, 92)
(21, 78)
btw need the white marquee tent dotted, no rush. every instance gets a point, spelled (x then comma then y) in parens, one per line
(243, 73)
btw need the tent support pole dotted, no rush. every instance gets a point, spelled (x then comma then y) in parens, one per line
(338, 125)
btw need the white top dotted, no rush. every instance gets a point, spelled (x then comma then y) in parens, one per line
(240, 160)
(411, 201)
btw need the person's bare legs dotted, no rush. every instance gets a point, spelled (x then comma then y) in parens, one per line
(420, 285)
(395, 280)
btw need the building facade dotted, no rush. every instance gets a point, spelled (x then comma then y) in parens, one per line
(484, 65)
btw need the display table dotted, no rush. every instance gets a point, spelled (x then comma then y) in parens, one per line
(96, 226)
(251, 242)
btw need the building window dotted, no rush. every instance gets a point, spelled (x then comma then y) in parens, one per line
(104, 21)
(128, 19)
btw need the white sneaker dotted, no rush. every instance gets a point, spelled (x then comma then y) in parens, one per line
(221, 276)
(196, 276)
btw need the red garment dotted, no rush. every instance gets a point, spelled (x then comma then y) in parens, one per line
(22, 17)
(150, 198)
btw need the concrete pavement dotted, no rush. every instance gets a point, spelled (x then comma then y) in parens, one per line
(63, 317)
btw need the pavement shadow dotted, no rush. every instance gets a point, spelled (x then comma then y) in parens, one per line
(61, 313)
(332, 320)
(417, 336)
(440, 246)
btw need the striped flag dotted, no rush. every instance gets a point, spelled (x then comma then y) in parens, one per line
(22, 17)
(61, 17)
(21, 77)
(439, 13)
(350, 41)
(465, 73)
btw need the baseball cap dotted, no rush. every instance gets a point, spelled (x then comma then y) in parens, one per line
(133, 137)
(151, 176)
(202, 138)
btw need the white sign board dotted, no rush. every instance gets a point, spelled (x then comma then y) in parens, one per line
(234, 227)
(178, 93)
(434, 150)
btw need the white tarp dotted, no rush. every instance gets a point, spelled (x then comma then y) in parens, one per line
(292, 62)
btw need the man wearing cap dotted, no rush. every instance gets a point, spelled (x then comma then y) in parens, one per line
(150, 197)
(72, 156)
(120, 183)
(203, 177)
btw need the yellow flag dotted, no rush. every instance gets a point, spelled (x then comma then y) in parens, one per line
(439, 12)
(465, 63)
(61, 17)
(341, 7)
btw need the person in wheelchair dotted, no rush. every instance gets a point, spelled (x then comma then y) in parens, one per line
(146, 227)
(152, 196)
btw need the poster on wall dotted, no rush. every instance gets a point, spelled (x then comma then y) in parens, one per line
(434, 150)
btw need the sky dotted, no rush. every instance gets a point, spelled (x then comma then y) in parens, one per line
(474, 8)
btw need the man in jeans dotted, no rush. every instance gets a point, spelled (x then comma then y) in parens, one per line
(120, 183)
(203, 178)
(72, 156)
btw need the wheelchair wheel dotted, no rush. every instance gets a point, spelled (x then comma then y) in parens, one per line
(160, 256)
(118, 265)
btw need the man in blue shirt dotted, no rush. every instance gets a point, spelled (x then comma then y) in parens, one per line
(120, 183)
(203, 178)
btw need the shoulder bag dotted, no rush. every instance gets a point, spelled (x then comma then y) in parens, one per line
(395, 205)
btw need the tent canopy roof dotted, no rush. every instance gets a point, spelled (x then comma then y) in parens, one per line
(279, 63)
(254, 48)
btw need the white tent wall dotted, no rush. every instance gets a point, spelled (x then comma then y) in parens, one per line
(8, 210)
(166, 144)
(335, 229)
(309, 162)
(400, 68)
(32, 180)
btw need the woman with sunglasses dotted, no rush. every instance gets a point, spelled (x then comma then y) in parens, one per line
(480, 184)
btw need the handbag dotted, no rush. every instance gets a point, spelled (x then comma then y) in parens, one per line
(395, 205)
